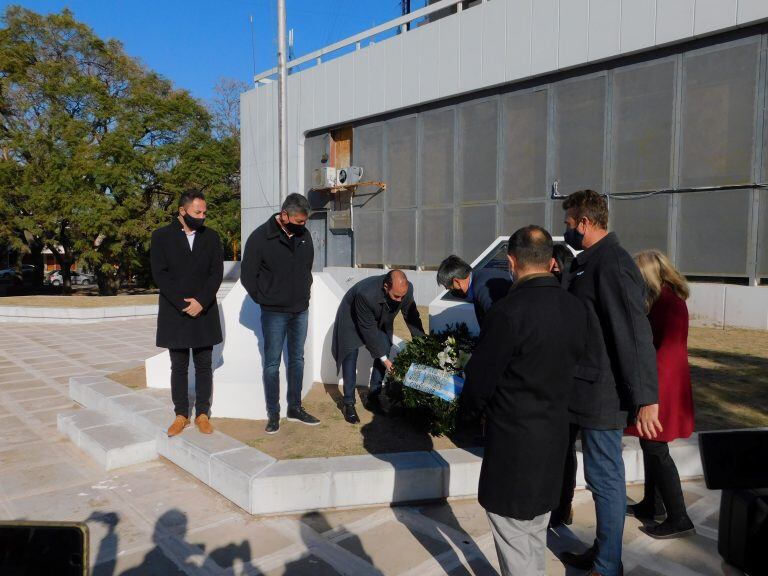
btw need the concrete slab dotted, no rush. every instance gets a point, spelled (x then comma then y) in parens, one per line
(232, 471)
(74, 422)
(385, 478)
(293, 486)
(117, 445)
(125, 407)
(193, 451)
(685, 453)
(93, 395)
(462, 470)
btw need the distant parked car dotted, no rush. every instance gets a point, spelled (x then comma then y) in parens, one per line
(54, 278)
(10, 276)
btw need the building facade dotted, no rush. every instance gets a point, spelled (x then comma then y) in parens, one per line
(479, 121)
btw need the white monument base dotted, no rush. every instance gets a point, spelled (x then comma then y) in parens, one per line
(238, 389)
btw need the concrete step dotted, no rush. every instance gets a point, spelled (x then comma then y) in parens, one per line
(112, 443)
(261, 485)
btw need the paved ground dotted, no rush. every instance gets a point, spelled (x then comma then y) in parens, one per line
(154, 519)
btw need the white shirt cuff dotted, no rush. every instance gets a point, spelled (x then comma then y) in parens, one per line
(383, 358)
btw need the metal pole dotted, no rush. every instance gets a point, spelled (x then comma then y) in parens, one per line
(282, 101)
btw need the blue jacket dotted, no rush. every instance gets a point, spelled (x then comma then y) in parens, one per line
(488, 286)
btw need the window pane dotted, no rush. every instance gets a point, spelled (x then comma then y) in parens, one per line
(478, 133)
(368, 152)
(641, 223)
(719, 116)
(368, 237)
(514, 216)
(643, 101)
(524, 156)
(402, 154)
(477, 228)
(435, 236)
(707, 247)
(401, 238)
(579, 134)
(437, 163)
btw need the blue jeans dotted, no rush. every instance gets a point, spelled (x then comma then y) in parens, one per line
(349, 373)
(277, 327)
(604, 472)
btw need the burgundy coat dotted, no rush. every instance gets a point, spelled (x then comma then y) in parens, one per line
(669, 323)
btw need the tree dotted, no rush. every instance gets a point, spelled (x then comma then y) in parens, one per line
(95, 147)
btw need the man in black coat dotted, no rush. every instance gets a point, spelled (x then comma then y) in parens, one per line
(277, 273)
(188, 266)
(482, 286)
(521, 377)
(366, 317)
(619, 378)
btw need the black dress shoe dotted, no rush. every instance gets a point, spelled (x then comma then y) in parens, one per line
(273, 424)
(583, 561)
(301, 415)
(670, 529)
(350, 414)
(642, 512)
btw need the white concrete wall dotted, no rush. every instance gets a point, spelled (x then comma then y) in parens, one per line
(725, 305)
(496, 42)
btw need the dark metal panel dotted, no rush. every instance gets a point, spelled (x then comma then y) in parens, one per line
(712, 233)
(642, 223)
(642, 123)
(524, 149)
(478, 135)
(401, 238)
(435, 236)
(718, 116)
(437, 151)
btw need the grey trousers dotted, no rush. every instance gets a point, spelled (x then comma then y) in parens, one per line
(520, 544)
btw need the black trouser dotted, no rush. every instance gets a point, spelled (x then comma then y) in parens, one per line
(180, 382)
(563, 510)
(662, 480)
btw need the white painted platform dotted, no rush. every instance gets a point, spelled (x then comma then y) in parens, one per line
(51, 315)
(262, 485)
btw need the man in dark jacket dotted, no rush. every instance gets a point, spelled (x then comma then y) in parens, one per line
(366, 317)
(188, 266)
(482, 286)
(277, 273)
(521, 376)
(619, 379)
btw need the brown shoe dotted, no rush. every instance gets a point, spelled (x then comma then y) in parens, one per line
(178, 425)
(203, 424)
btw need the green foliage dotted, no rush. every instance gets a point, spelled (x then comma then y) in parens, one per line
(95, 148)
(448, 350)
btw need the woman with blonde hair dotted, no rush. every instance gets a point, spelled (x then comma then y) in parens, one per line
(666, 293)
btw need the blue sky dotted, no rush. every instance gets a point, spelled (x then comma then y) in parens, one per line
(194, 43)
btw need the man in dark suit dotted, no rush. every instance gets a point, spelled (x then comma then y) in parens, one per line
(521, 377)
(188, 266)
(620, 368)
(482, 286)
(277, 273)
(366, 317)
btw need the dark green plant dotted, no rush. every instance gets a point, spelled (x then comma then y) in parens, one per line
(435, 415)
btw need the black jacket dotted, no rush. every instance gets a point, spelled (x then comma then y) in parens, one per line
(619, 373)
(521, 376)
(183, 273)
(277, 270)
(488, 285)
(365, 318)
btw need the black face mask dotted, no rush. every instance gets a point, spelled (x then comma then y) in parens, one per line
(457, 293)
(297, 229)
(193, 223)
(574, 238)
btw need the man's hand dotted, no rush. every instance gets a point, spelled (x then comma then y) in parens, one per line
(648, 424)
(388, 365)
(194, 307)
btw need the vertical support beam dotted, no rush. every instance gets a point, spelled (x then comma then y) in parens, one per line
(282, 101)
